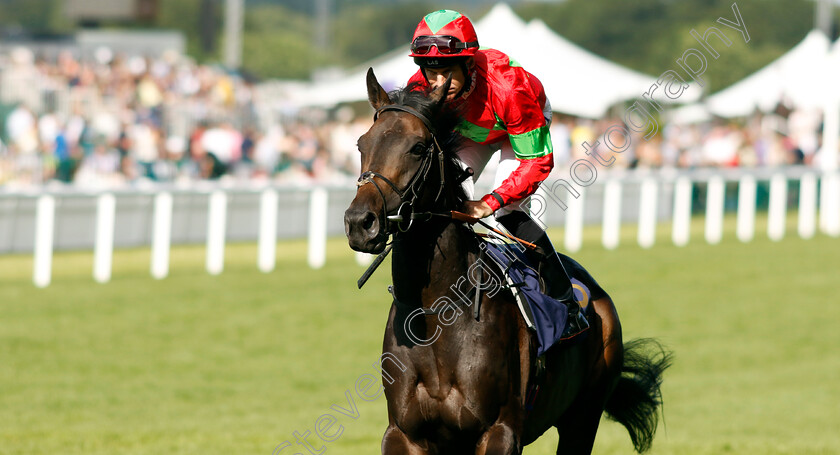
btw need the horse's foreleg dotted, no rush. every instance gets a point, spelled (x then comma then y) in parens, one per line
(500, 439)
(395, 442)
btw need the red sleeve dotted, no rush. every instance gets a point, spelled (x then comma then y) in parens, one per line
(523, 181)
(521, 107)
(521, 103)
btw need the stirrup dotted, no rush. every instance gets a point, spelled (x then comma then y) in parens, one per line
(580, 319)
(577, 322)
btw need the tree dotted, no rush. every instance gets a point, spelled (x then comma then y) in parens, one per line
(649, 35)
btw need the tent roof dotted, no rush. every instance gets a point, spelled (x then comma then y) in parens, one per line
(689, 114)
(830, 73)
(394, 68)
(577, 81)
(796, 77)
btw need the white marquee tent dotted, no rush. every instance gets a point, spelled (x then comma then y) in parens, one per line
(394, 68)
(805, 77)
(830, 89)
(795, 77)
(577, 81)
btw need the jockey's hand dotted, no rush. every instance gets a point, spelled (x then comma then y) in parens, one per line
(477, 209)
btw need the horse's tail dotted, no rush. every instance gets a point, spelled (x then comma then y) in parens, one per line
(637, 395)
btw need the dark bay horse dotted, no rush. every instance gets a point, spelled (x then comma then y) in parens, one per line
(457, 384)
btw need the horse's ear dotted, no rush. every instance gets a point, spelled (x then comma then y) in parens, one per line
(439, 94)
(377, 95)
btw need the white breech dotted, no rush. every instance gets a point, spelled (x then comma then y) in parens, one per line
(476, 156)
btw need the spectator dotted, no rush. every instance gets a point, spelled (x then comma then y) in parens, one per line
(170, 119)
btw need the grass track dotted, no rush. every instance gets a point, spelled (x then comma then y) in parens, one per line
(235, 364)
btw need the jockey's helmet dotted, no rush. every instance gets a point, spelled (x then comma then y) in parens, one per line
(443, 38)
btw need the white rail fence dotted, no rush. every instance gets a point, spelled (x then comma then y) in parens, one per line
(49, 220)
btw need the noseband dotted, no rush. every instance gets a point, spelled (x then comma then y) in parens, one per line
(404, 216)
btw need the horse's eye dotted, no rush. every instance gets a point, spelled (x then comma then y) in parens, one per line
(419, 149)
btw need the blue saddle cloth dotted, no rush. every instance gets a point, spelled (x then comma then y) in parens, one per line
(548, 317)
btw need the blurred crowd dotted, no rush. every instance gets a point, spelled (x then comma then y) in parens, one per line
(111, 121)
(764, 140)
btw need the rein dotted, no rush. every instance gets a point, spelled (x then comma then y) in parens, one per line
(405, 215)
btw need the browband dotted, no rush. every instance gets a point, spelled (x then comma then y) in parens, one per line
(410, 110)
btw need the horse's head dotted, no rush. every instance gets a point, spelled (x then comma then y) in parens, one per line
(402, 162)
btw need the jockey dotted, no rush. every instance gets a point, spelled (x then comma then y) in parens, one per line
(503, 108)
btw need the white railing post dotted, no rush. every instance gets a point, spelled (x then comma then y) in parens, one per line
(647, 213)
(318, 204)
(573, 239)
(216, 227)
(715, 193)
(682, 212)
(267, 249)
(161, 235)
(44, 221)
(612, 214)
(103, 249)
(807, 206)
(830, 204)
(778, 207)
(746, 208)
(823, 202)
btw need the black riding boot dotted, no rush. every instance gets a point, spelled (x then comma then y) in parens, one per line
(557, 283)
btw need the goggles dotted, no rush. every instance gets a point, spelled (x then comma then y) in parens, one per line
(447, 45)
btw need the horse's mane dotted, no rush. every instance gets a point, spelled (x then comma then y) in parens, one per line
(444, 120)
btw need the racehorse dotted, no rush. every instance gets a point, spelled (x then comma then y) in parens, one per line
(455, 383)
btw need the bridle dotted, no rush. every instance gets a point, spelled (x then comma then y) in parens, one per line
(405, 215)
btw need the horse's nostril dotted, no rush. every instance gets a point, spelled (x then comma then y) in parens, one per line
(369, 221)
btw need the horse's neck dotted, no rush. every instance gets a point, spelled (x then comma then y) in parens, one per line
(427, 261)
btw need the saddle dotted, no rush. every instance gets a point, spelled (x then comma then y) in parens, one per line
(547, 317)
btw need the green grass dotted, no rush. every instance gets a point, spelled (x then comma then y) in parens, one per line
(235, 364)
